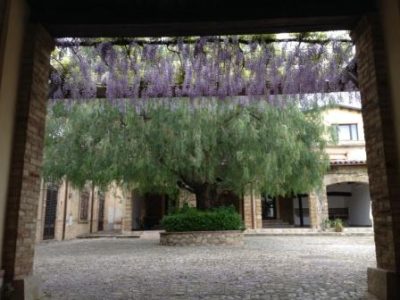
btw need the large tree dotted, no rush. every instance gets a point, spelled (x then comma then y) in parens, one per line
(205, 147)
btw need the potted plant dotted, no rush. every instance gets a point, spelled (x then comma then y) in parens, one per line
(327, 224)
(338, 225)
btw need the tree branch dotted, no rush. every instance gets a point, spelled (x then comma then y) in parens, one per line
(141, 42)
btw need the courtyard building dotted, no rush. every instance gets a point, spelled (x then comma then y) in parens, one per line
(344, 194)
(66, 212)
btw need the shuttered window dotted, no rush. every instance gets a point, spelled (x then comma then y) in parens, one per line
(84, 206)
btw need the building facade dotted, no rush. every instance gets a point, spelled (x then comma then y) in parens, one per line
(65, 212)
(344, 193)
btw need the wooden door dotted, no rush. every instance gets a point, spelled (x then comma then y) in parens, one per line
(100, 226)
(50, 213)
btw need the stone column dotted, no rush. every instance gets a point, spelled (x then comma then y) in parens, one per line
(252, 211)
(382, 155)
(24, 180)
(318, 208)
(128, 213)
(247, 212)
(258, 211)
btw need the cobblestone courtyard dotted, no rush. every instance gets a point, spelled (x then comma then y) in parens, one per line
(290, 267)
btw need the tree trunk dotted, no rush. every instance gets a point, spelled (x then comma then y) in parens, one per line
(206, 196)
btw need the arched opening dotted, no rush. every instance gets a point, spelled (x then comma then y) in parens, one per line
(148, 210)
(350, 202)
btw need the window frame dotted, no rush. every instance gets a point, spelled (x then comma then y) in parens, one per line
(349, 126)
(83, 215)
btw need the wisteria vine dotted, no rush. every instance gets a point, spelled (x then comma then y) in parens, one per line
(200, 67)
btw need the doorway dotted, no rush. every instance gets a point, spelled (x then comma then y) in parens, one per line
(268, 205)
(50, 212)
(100, 226)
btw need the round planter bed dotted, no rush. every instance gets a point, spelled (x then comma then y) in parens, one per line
(192, 238)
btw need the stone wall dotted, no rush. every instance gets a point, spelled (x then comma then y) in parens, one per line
(192, 238)
(186, 197)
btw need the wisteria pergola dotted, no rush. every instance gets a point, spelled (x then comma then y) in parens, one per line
(208, 66)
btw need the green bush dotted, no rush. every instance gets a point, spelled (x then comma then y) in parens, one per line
(191, 219)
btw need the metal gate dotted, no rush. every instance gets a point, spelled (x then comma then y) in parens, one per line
(100, 226)
(50, 213)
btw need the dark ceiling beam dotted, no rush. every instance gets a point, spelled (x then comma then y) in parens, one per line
(94, 18)
(201, 29)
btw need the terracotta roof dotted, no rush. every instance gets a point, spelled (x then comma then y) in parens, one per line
(347, 162)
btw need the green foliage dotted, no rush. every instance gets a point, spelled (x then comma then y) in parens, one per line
(191, 219)
(338, 225)
(79, 144)
(158, 148)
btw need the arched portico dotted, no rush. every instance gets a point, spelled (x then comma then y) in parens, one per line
(351, 202)
(347, 173)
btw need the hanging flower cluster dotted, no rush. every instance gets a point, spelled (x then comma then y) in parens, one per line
(199, 67)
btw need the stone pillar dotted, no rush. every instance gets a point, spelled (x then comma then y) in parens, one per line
(186, 197)
(252, 211)
(258, 216)
(128, 213)
(247, 212)
(318, 208)
(382, 157)
(24, 180)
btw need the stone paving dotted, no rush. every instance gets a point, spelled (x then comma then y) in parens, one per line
(266, 267)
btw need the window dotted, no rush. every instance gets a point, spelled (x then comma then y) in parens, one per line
(346, 132)
(84, 206)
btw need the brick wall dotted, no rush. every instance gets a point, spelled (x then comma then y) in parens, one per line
(382, 159)
(24, 186)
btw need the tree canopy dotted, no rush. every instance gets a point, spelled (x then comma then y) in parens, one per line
(205, 147)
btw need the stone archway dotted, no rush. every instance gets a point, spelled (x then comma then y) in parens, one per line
(346, 173)
(350, 201)
(378, 69)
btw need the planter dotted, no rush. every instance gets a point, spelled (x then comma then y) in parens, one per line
(194, 238)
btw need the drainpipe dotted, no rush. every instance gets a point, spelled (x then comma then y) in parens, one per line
(43, 207)
(253, 208)
(65, 209)
(91, 210)
(300, 210)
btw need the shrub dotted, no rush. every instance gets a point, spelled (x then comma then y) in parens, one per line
(191, 219)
